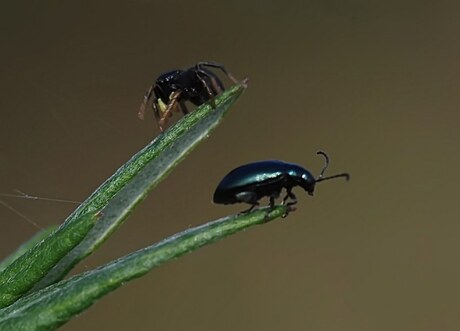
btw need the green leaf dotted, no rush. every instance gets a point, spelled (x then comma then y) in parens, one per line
(39, 236)
(56, 304)
(21, 275)
(117, 196)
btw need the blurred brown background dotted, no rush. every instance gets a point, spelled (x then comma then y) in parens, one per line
(373, 83)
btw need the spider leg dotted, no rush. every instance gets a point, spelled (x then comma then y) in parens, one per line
(216, 85)
(145, 101)
(200, 72)
(183, 107)
(172, 104)
(218, 66)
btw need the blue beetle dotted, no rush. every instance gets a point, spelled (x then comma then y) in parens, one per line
(253, 181)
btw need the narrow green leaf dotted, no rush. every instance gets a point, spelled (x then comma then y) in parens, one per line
(129, 185)
(21, 275)
(39, 236)
(56, 304)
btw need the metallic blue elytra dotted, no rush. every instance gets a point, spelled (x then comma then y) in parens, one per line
(257, 177)
(253, 181)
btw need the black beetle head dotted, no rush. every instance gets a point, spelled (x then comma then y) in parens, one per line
(308, 183)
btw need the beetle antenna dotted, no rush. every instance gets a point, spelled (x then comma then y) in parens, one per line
(326, 164)
(346, 175)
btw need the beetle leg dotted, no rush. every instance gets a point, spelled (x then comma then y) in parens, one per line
(294, 199)
(248, 197)
(172, 103)
(272, 203)
(290, 208)
(147, 96)
(289, 204)
(246, 211)
(289, 194)
(218, 66)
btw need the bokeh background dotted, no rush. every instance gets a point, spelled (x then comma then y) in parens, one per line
(373, 83)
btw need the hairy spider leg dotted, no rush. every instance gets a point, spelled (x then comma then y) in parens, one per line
(183, 107)
(211, 92)
(218, 66)
(172, 104)
(147, 96)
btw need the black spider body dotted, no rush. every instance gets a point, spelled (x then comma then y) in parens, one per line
(172, 89)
